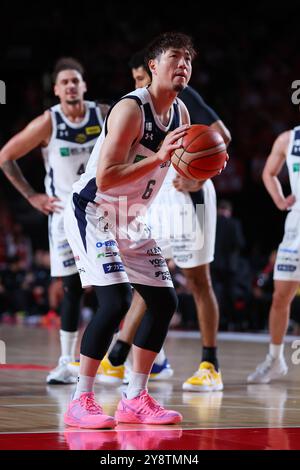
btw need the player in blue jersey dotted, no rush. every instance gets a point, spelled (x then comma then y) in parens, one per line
(286, 149)
(66, 134)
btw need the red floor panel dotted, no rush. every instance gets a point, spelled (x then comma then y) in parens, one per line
(149, 439)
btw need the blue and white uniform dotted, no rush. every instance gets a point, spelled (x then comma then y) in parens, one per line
(184, 224)
(106, 230)
(287, 265)
(65, 159)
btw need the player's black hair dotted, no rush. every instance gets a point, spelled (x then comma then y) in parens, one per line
(166, 41)
(138, 60)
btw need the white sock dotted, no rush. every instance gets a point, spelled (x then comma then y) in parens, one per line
(161, 357)
(137, 383)
(276, 350)
(85, 384)
(68, 340)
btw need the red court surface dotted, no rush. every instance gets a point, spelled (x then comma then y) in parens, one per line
(143, 439)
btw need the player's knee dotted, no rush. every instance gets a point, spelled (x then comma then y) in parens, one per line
(169, 303)
(200, 285)
(280, 299)
(115, 299)
(72, 285)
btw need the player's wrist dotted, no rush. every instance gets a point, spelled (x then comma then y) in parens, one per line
(30, 194)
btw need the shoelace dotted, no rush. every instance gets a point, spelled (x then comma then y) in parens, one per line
(203, 372)
(152, 404)
(88, 402)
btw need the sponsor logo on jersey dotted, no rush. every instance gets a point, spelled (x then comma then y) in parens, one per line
(148, 126)
(183, 258)
(107, 243)
(108, 254)
(80, 138)
(296, 150)
(296, 167)
(164, 275)
(64, 151)
(66, 253)
(62, 134)
(290, 268)
(93, 130)
(63, 246)
(67, 152)
(159, 262)
(81, 270)
(113, 267)
(149, 136)
(138, 158)
(154, 251)
(291, 234)
(288, 250)
(69, 262)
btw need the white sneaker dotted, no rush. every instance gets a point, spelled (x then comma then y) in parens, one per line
(61, 374)
(272, 368)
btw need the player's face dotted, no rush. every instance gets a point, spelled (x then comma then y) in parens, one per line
(69, 86)
(173, 68)
(140, 77)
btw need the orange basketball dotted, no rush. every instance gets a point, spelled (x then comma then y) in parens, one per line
(202, 155)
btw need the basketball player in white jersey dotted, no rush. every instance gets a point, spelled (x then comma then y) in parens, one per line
(287, 266)
(66, 133)
(179, 192)
(112, 245)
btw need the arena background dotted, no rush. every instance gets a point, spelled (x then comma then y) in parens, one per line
(247, 61)
(248, 57)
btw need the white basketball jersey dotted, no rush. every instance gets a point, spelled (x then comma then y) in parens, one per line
(69, 149)
(293, 164)
(152, 133)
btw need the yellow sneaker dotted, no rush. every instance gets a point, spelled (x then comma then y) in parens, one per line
(205, 379)
(106, 373)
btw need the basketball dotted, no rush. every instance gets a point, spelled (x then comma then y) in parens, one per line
(203, 153)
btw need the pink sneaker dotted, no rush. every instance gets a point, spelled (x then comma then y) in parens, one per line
(144, 409)
(86, 413)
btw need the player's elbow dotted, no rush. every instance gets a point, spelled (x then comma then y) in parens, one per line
(100, 183)
(4, 158)
(266, 176)
(103, 182)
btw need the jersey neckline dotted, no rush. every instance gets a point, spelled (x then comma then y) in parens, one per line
(80, 124)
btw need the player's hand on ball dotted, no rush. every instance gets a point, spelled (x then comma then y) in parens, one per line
(171, 142)
(225, 164)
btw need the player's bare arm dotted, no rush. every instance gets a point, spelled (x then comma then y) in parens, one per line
(36, 133)
(273, 167)
(124, 125)
(222, 129)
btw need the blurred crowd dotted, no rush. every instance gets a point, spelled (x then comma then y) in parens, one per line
(243, 286)
(245, 68)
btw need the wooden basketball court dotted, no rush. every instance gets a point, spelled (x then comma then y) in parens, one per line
(249, 417)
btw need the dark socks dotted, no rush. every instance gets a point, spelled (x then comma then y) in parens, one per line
(210, 355)
(119, 353)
